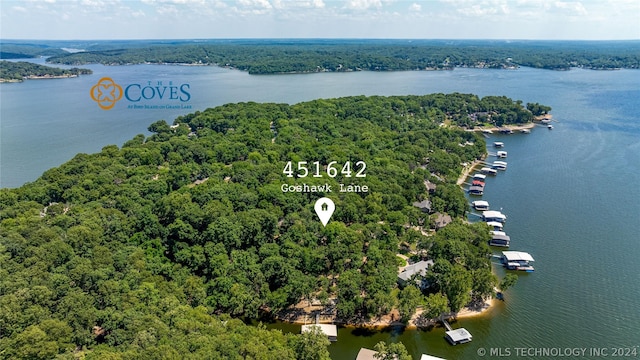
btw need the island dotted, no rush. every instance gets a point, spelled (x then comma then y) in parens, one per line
(18, 71)
(163, 246)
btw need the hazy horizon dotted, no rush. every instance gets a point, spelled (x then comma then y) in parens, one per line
(319, 19)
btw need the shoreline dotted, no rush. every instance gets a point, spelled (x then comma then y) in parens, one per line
(307, 315)
(514, 127)
(468, 169)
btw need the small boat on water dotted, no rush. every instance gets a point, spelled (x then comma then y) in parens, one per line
(480, 205)
(487, 131)
(497, 226)
(500, 165)
(480, 177)
(498, 144)
(525, 131)
(476, 190)
(550, 127)
(517, 260)
(499, 238)
(489, 171)
(492, 215)
(501, 154)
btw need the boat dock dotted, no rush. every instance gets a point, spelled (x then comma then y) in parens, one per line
(456, 336)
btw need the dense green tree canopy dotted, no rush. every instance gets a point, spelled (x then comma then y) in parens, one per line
(154, 248)
(19, 70)
(274, 56)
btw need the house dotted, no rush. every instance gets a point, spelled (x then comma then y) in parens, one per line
(424, 205)
(442, 220)
(419, 268)
(431, 187)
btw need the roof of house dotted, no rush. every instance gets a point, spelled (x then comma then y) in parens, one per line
(517, 256)
(429, 357)
(424, 204)
(429, 185)
(328, 329)
(442, 220)
(418, 268)
(366, 354)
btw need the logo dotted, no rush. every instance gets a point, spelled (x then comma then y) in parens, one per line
(106, 93)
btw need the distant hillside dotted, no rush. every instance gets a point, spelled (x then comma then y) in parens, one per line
(302, 56)
(20, 70)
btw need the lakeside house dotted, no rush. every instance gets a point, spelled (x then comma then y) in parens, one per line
(431, 187)
(441, 220)
(424, 205)
(420, 268)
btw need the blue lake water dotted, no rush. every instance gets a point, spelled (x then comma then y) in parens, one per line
(571, 194)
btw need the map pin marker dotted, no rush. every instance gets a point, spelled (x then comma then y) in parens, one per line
(324, 208)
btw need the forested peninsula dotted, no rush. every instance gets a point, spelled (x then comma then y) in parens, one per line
(306, 56)
(11, 71)
(158, 248)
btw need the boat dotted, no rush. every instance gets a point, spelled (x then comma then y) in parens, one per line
(497, 226)
(329, 330)
(525, 131)
(489, 171)
(517, 260)
(506, 131)
(487, 131)
(458, 336)
(550, 127)
(499, 238)
(477, 183)
(480, 205)
(492, 215)
(498, 144)
(476, 190)
(501, 154)
(479, 177)
(500, 165)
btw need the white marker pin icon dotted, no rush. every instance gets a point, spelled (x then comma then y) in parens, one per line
(324, 208)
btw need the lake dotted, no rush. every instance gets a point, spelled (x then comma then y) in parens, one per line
(571, 194)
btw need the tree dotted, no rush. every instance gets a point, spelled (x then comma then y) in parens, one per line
(435, 305)
(311, 345)
(508, 281)
(408, 300)
(393, 351)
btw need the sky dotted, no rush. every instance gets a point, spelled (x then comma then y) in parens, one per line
(381, 19)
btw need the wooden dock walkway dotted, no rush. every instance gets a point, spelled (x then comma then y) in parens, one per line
(446, 325)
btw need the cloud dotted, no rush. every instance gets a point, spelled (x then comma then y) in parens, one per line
(415, 7)
(263, 4)
(363, 4)
(574, 8)
(19, 8)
